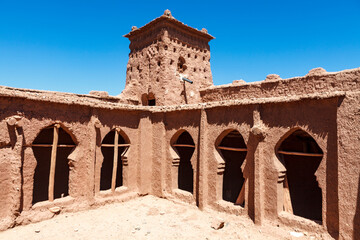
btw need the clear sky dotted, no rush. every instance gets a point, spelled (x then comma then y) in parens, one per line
(77, 46)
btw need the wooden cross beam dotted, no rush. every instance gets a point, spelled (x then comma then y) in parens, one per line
(241, 198)
(115, 164)
(287, 199)
(53, 162)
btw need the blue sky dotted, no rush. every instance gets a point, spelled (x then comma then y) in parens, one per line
(77, 46)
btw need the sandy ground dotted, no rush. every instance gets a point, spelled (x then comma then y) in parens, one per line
(150, 218)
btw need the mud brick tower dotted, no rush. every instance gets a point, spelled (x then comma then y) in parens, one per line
(161, 53)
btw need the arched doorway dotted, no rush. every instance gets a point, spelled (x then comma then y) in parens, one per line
(185, 147)
(233, 150)
(301, 156)
(113, 147)
(51, 149)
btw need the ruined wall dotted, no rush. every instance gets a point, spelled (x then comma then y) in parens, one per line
(276, 120)
(151, 164)
(313, 83)
(341, 137)
(87, 126)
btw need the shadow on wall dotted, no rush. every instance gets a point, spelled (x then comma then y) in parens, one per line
(356, 234)
(120, 117)
(182, 119)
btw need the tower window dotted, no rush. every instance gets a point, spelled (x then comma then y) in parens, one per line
(151, 99)
(181, 64)
(148, 99)
(152, 102)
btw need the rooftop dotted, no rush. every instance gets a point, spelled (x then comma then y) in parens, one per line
(167, 18)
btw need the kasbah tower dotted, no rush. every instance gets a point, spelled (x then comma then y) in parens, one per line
(162, 53)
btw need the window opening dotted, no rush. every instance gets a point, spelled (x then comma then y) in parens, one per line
(152, 102)
(51, 178)
(149, 99)
(301, 156)
(233, 150)
(113, 147)
(181, 65)
(185, 147)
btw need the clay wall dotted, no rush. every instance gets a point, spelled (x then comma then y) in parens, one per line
(87, 126)
(262, 168)
(175, 124)
(313, 83)
(348, 119)
(151, 164)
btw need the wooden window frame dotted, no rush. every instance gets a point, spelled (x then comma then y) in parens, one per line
(116, 146)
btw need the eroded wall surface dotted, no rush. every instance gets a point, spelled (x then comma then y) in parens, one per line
(349, 165)
(87, 126)
(161, 53)
(313, 83)
(262, 113)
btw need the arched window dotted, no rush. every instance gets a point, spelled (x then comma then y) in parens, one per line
(51, 148)
(113, 147)
(185, 147)
(151, 99)
(181, 66)
(233, 151)
(148, 99)
(301, 156)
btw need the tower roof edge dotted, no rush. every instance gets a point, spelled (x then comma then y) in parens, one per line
(169, 19)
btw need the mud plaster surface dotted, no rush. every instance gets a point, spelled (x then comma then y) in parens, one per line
(151, 218)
